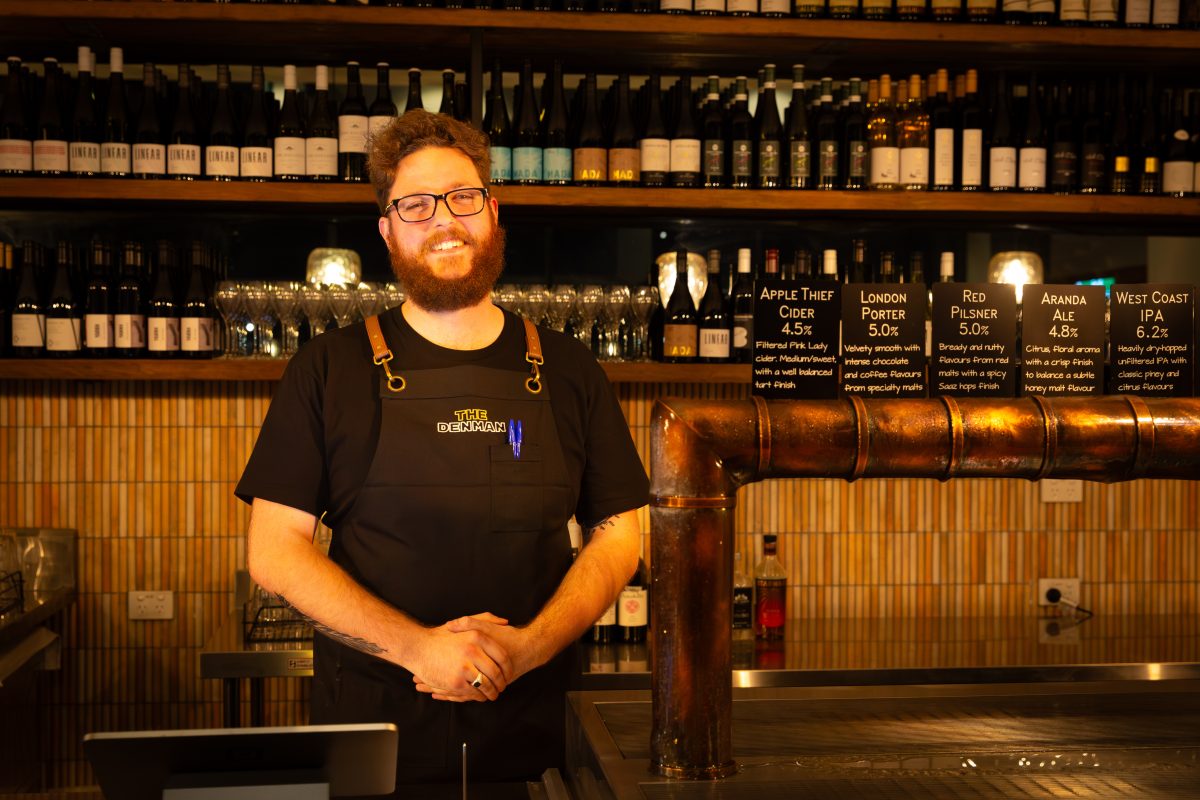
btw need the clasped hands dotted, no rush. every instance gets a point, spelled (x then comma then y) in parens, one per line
(471, 659)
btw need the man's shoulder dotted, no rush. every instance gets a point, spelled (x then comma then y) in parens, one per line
(569, 356)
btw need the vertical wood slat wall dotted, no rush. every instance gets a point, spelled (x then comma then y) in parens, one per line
(145, 471)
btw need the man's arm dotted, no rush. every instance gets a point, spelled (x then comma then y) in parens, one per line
(282, 560)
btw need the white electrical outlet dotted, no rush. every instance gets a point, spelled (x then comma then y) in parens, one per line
(152, 605)
(1068, 589)
(1061, 491)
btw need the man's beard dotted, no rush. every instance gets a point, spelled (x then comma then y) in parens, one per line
(450, 294)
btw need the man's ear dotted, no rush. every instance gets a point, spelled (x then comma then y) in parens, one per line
(384, 227)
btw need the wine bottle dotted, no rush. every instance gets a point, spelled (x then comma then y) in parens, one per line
(685, 146)
(1031, 158)
(675, 6)
(163, 321)
(854, 140)
(197, 322)
(843, 9)
(829, 267)
(770, 591)
(603, 630)
(557, 169)
(768, 170)
(16, 146)
(1014, 12)
(221, 157)
(83, 155)
(914, 140)
(414, 91)
(353, 127)
(887, 268)
(798, 135)
(183, 150)
(912, 10)
(884, 144)
(1072, 13)
(1041, 12)
(714, 315)
(149, 154)
(50, 136)
(28, 316)
(590, 159)
(527, 149)
(946, 10)
(970, 137)
(941, 120)
(981, 11)
(743, 599)
(321, 139)
(1120, 149)
(828, 140)
(1002, 151)
(495, 124)
(129, 321)
(1064, 144)
(624, 156)
(712, 129)
(680, 326)
(1148, 155)
(741, 137)
(776, 8)
(1103, 13)
(654, 147)
(1165, 14)
(1178, 160)
(741, 8)
(1137, 13)
(633, 606)
(64, 322)
(446, 106)
(710, 8)
(742, 300)
(290, 147)
(258, 152)
(99, 304)
(383, 109)
(1093, 150)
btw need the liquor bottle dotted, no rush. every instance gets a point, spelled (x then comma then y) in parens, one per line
(196, 323)
(527, 151)
(590, 158)
(495, 124)
(1064, 145)
(854, 140)
(28, 315)
(64, 323)
(83, 155)
(50, 136)
(1149, 170)
(1120, 147)
(712, 128)
(221, 157)
(1092, 151)
(941, 120)
(680, 326)
(828, 140)
(129, 321)
(1137, 13)
(257, 153)
(798, 135)
(183, 148)
(742, 300)
(556, 145)
(769, 140)
(714, 315)
(290, 148)
(446, 106)
(1014, 12)
(414, 91)
(885, 149)
(654, 147)
(354, 123)
(633, 606)
(743, 599)
(1002, 151)
(383, 109)
(1178, 160)
(914, 140)
(741, 137)
(16, 146)
(321, 139)
(624, 157)
(770, 591)
(1031, 158)
(684, 147)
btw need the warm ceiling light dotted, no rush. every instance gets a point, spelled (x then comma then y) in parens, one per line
(333, 266)
(1016, 267)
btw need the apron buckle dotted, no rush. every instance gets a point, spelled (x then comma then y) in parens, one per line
(395, 383)
(534, 382)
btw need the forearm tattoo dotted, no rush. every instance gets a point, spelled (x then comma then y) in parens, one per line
(362, 645)
(607, 522)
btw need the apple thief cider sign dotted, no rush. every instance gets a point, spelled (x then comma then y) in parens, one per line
(883, 340)
(1151, 340)
(795, 339)
(1062, 340)
(974, 340)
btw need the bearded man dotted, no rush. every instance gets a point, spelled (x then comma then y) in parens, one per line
(446, 443)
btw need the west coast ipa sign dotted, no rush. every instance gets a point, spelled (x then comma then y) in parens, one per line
(883, 340)
(1151, 340)
(974, 340)
(795, 339)
(1062, 340)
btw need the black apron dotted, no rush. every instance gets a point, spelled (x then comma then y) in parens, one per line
(450, 522)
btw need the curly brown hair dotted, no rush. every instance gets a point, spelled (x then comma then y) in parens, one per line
(415, 130)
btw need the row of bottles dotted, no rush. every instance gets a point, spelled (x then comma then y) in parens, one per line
(627, 619)
(130, 301)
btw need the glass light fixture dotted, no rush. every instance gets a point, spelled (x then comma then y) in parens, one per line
(697, 273)
(1016, 267)
(333, 266)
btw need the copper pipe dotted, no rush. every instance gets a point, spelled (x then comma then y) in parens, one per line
(701, 451)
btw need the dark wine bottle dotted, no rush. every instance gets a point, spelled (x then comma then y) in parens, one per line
(499, 132)
(854, 140)
(557, 169)
(129, 321)
(942, 123)
(83, 155)
(527, 149)
(197, 318)
(1120, 147)
(624, 157)
(28, 315)
(828, 140)
(769, 139)
(685, 139)
(742, 300)
(714, 315)
(1002, 150)
(163, 318)
(290, 147)
(798, 134)
(1178, 159)
(183, 150)
(741, 137)
(100, 304)
(149, 152)
(16, 145)
(321, 139)
(1149, 157)
(414, 91)
(1093, 150)
(633, 606)
(383, 108)
(970, 138)
(221, 157)
(590, 158)
(64, 323)
(712, 129)
(654, 146)
(446, 106)
(857, 271)
(50, 136)
(1031, 158)
(258, 152)
(680, 326)
(1064, 144)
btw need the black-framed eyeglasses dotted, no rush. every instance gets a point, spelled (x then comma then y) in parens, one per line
(421, 207)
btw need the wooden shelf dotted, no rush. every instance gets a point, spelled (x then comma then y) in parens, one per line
(264, 369)
(202, 33)
(212, 197)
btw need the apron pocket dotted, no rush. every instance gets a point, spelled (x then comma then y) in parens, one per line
(517, 489)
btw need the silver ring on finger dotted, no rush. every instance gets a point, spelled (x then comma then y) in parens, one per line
(478, 680)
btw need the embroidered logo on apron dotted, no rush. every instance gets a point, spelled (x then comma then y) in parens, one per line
(472, 420)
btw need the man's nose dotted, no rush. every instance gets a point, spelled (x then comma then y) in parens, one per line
(441, 212)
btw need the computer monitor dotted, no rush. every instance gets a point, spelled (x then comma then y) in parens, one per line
(293, 762)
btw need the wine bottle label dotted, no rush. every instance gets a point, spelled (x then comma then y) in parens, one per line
(685, 155)
(743, 331)
(914, 166)
(352, 133)
(115, 158)
(768, 159)
(1178, 177)
(84, 158)
(1137, 12)
(1064, 165)
(624, 164)
(320, 155)
(16, 155)
(1121, 164)
(130, 331)
(972, 157)
(556, 164)
(377, 123)
(290, 155)
(99, 330)
(714, 158)
(221, 161)
(743, 607)
(164, 335)
(631, 607)
(856, 161)
(258, 162)
(1092, 172)
(1032, 169)
(527, 164)
(827, 151)
(1150, 165)
(778, 6)
(501, 163)
(50, 155)
(28, 330)
(710, 6)
(655, 155)
(742, 6)
(609, 617)
(943, 157)
(798, 160)
(1015, 6)
(675, 5)
(743, 158)
(197, 334)
(679, 341)
(591, 165)
(183, 159)
(63, 334)
(1002, 162)
(1166, 13)
(885, 165)
(771, 606)
(149, 159)
(1041, 7)
(1102, 10)
(714, 343)
(1073, 10)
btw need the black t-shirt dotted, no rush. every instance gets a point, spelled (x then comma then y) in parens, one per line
(316, 442)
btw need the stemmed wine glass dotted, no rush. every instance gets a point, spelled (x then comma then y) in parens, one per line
(508, 297)
(612, 314)
(393, 295)
(370, 299)
(587, 308)
(642, 303)
(285, 302)
(559, 306)
(341, 303)
(534, 300)
(257, 301)
(315, 306)
(228, 299)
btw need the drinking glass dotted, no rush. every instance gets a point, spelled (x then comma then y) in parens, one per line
(642, 303)
(341, 304)
(534, 300)
(393, 295)
(371, 299)
(612, 314)
(587, 308)
(560, 305)
(315, 306)
(228, 299)
(285, 302)
(508, 297)
(257, 301)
